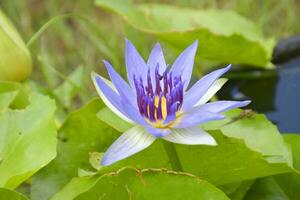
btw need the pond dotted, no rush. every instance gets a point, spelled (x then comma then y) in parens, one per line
(275, 93)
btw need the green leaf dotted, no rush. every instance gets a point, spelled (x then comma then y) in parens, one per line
(6, 99)
(111, 119)
(258, 133)
(95, 158)
(294, 141)
(7, 194)
(130, 183)
(266, 189)
(241, 191)
(81, 133)
(15, 59)
(27, 140)
(241, 163)
(246, 141)
(223, 35)
(21, 100)
(283, 186)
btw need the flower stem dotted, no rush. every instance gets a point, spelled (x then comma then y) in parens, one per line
(173, 157)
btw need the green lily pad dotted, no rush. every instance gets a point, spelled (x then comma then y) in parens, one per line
(84, 133)
(27, 140)
(283, 186)
(22, 97)
(223, 36)
(130, 183)
(246, 141)
(241, 191)
(6, 99)
(81, 134)
(111, 119)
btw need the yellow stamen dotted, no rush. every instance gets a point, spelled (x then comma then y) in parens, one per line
(160, 123)
(163, 106)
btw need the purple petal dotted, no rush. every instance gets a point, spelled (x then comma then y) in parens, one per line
(135, 64)
(172, 113)
(130, 142)
(121, 85)
(194, 94)
(183, 65)
(156, 57)
(221, 106)
(190, 136)
(194, 119)
(157, 132)
(110, 97)
(214, 88)
(134, 113)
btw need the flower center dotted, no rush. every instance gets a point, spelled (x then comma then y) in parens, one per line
(159, 100)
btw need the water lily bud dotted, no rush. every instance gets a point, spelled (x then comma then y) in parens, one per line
(15, 59)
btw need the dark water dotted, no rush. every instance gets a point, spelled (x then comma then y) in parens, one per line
(276, 93)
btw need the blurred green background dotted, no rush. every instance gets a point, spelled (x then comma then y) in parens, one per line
(76, 45)
(69, 39)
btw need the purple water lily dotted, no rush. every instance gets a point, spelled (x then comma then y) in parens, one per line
(156, 101)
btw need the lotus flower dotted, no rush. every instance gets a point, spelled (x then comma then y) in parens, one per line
(158, 104)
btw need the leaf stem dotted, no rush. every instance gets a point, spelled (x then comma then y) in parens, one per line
(173, 156)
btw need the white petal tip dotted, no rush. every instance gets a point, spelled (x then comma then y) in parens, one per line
(94, 76)
(207, 140)
(228, 67)
(105, 61)
(212, 142)
(195, 44)
(246, 102)
(157, 45)
(128, 42)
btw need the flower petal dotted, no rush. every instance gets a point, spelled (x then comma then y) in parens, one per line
(135, 64)
(121, 85)
(156, 57)
(109, 95)
(191, 136)
(119, 106)
(183, 65)
(194, 119)
(198, 90)
(157, 132)
(221, 106)
(134, 114)
(216, 86)
(130, 142)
